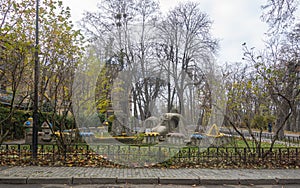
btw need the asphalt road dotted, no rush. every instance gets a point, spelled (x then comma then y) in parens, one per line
(143, 186)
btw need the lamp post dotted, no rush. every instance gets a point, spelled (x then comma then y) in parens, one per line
(36, 85)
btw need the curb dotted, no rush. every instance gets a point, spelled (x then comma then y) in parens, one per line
(209, 181)
(94, 180)
(49, 180)
(13, 180)
(145, 180)
(249, 181)
(180, 181)
(288, 181)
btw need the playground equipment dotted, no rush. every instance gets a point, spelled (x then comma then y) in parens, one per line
(169, 128)
(149, 124)
(175, 138)
(46, 129)
(44, 136)
(151, 137)
(213, 137)
(170, 123)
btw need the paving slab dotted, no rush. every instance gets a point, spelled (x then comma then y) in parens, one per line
(183, 176)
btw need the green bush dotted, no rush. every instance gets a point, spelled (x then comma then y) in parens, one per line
(15, 123)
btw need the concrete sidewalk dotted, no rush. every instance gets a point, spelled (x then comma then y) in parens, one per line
(82, 175)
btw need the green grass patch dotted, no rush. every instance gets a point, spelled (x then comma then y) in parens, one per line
(241, 143)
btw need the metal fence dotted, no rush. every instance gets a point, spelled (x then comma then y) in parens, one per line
(141, 156)
(290, 140)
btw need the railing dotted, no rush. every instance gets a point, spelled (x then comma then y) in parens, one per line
(287, 139)
(139, 156)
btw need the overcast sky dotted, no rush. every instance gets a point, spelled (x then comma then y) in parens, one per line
(235, 22)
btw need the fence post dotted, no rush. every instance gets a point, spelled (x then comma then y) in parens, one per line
(235, 152)
(19, 151)
(118, 152)
(296, 158)
(108, 153)
(208, 154)
(53, 153)
(245, 155)
(198, 155)
(170, 156)
(279, 154)
(42, 152)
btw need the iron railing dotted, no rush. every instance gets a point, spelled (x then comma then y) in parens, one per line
(138, 156)
(289, 140)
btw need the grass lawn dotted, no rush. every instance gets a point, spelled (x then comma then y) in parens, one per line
(241, 143)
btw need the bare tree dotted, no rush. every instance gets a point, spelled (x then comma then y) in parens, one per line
(277, 65)
(126, 31)
(186, 45)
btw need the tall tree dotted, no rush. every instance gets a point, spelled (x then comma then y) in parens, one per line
(187, 45)
(16, 51)
(277, 66)
(60, 50)
(125, 31)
